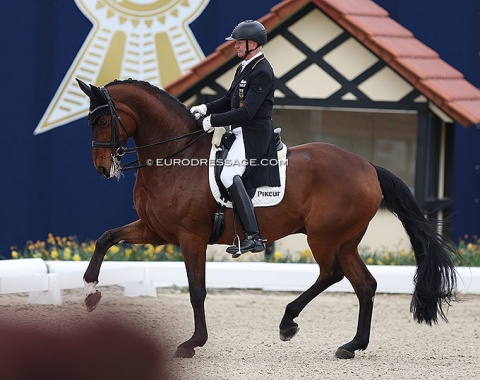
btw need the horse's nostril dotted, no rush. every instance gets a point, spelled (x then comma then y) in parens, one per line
(104, 172)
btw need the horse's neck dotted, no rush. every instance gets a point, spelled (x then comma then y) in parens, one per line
(159, 120)
(162, 140)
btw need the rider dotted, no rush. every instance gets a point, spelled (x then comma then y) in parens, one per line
(247, 107)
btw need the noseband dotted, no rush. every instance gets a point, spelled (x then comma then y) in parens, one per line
(118, 149)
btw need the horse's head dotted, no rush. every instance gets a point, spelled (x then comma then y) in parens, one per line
(109, 132)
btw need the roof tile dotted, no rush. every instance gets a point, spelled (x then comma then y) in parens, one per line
(351, 7)
(448, 90)
(393, 48)
(369, 26)
(179, 85)
(464, 111)
(415, 69)
(286, 8)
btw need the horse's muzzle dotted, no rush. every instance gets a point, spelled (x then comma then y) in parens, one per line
(103, 171)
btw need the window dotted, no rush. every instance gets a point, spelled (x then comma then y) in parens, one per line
(385, 139)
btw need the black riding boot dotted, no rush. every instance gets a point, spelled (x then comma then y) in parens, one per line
(252, 241)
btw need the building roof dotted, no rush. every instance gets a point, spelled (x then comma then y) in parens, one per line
(372, 26)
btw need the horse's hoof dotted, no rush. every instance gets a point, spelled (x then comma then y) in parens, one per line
(184, 352)
(342, 353)
(92, 300)
(288, 334)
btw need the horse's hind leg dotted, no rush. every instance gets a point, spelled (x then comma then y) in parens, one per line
(133, 233)
(330, 273)
(364, 286)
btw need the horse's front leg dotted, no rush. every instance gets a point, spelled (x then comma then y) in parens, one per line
(195, 257)
(133, 233)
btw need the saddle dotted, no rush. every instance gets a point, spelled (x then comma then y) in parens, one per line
(222, 151)
(224, 147)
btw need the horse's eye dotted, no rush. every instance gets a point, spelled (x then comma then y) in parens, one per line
(103, 122)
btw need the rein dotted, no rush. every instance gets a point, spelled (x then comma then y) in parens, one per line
(118, 150)
(128, 165)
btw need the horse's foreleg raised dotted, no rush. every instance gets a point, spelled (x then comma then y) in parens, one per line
(133, 233)
(194, 257)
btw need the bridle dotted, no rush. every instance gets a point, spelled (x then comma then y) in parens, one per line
(116, 146)
(119, 149)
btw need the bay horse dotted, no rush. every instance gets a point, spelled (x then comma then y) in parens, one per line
(331, 196)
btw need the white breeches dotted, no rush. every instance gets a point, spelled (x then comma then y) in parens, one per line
(235, 163)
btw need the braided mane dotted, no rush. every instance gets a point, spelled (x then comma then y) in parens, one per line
(162, 94)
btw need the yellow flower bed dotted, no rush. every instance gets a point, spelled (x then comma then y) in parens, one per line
(68, 248)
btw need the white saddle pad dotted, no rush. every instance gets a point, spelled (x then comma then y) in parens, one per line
(265, 195)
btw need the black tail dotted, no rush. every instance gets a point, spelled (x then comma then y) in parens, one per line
(435, 279)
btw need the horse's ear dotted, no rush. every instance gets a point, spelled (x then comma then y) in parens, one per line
(85, 88)
(98, 95)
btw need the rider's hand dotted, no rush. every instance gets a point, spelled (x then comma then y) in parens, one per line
(207, 126)
(198, 111)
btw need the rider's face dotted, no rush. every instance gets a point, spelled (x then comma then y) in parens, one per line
(241, 48)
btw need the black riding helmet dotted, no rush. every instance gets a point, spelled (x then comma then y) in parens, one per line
(249, 30)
